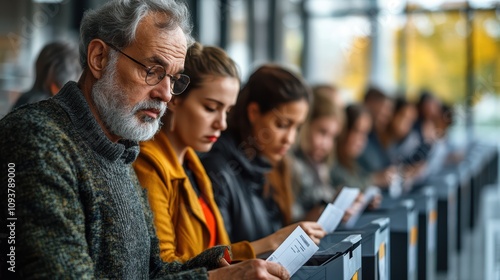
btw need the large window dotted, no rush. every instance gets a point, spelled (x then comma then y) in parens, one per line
(486, 92)
(436, 55)
(449, 47)
(238, 47)
(340, 53)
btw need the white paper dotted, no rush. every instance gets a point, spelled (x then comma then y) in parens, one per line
(295, 251)
(346, 198)
(330, 218)
(396, 186)
(369, 195)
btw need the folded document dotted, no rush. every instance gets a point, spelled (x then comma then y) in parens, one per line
(295, 251)
(333, 213)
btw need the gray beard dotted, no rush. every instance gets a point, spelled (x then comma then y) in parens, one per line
(119, 117)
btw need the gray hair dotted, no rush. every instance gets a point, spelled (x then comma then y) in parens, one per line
(116, 22)
(57, 63)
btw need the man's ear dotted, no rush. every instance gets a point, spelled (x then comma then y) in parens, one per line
(253, 112)
(97, 57)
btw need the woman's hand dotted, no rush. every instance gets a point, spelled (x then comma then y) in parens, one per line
(375, 203)
(313, 229)
(382, 179)
(354, 208)
(271, 242)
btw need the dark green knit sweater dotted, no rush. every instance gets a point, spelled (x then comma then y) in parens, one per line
(80, 211)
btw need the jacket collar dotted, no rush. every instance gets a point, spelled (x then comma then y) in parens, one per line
(176, 172)
(245, 156)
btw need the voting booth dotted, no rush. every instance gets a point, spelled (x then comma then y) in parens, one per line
(425, 200)
(463, 173)
(491, 226)
(375, 247)
(426, 205)
(403, 235)
(341, 261)
(446, 187)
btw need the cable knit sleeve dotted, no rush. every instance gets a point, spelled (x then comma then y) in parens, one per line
(50, 230)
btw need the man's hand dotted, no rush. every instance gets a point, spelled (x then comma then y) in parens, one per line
(250, 269)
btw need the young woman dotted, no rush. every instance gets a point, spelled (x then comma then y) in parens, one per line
(261, 129)
(351, 142)
(402, 144)
(186, 216)
(399, 140)
(312, 159)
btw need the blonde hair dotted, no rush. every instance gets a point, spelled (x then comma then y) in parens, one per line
(323, 105)
(202, 61)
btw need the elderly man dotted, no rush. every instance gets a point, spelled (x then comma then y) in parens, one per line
(74, 204)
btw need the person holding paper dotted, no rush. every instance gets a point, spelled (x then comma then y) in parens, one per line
(351, 143)
(261, 129)
(186, 216)
(380, 107)
(82, 213)
(403, 145)
(312, 159)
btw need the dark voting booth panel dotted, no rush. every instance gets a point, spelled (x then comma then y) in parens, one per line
(403, 237)
(341, 260)
(375, 247)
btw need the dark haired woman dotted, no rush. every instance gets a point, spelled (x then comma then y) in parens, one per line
(261, 129)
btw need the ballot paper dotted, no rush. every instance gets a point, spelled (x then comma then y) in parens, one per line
(346, 198)
(369, 195)
(333, 213)
(396, 186)
(295, 251)
(330, 218)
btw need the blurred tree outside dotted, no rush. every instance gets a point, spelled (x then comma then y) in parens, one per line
(486, 54)
(436, 55)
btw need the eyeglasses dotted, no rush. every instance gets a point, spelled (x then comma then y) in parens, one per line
(156, 73)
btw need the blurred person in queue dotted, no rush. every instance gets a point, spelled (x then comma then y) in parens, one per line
(84, 214)
(374, 158)
(57, 63)
(312, 159)
(186, 215)
(350, 144)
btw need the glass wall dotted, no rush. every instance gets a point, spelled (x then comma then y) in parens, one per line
(486, 92)
(25, 27)
(340, 53)
(447, 47)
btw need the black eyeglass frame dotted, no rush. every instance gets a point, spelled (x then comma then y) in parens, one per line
(173, 79)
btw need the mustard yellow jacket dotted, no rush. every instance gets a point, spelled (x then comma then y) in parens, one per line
(179, 219)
